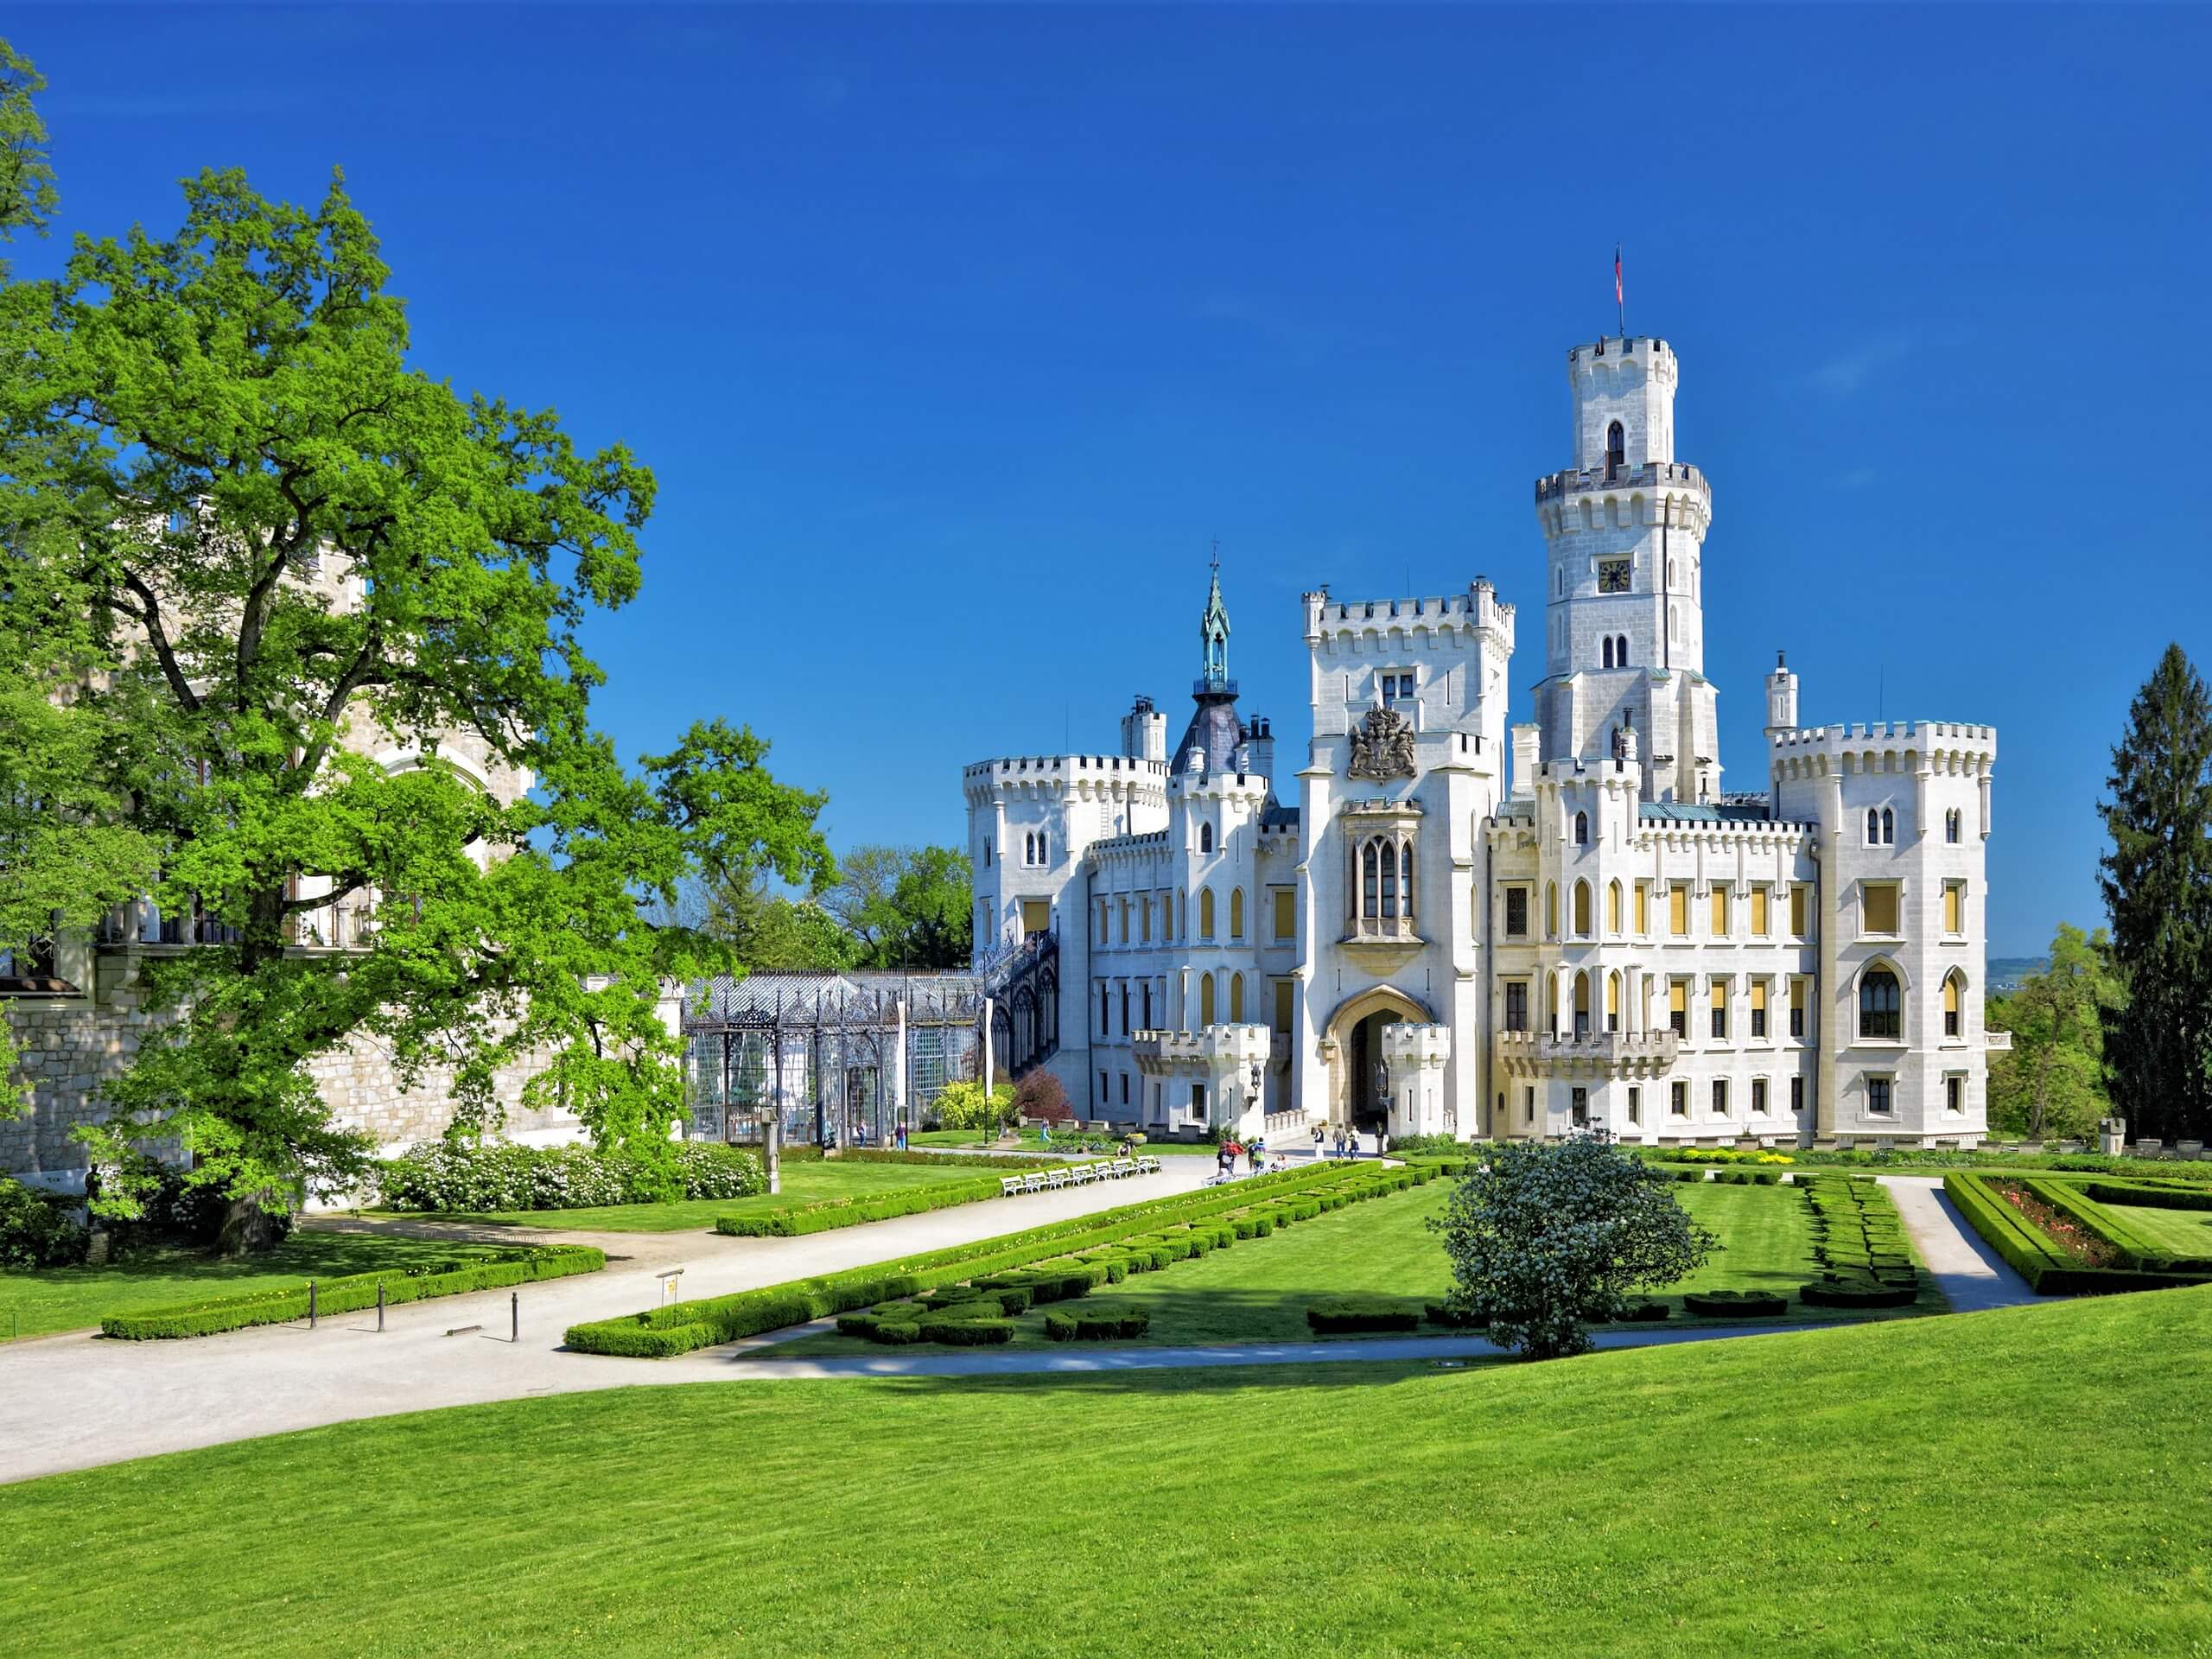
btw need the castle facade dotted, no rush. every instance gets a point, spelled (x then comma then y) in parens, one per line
(1465, 928)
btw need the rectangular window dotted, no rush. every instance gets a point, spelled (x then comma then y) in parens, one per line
(1102, 1095)
(1721, 1096)
(1144, 920)
(1801, 910)
(1285, 907)
(1516, 1005)
(1644, 908)
(1635, 1104)
(1397, 688)
(1877, 1095)
(1125, 1088)
(1955, 906)
(1878, 907)
(1678, 1099)
(1796, 1094)
(1758, 1008)
(1796, 1008)
(1286, 1000)
(1720, 912)
(1125, 921)
(1528, 1106)
(1954, 1095)
(1678, 1006)
(1678, 911)
(1580, 1109)
(1758, 1097)
(1759, 919)
(1516, 912)
(1719, 1000)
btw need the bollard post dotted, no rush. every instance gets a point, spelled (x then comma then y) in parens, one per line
(310, 1304)
(514, 1307)
(379, 1306)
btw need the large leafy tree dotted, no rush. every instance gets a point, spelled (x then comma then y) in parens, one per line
(1546, 1239)
(2052, 1081)
(64, 854)
(2156, 880)
(303, 556)
(904, 906)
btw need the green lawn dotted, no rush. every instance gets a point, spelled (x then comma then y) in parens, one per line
(1929, 1487)
(2178, 1232)
(802, 1182)
(1258, 1289)
(72, 1299)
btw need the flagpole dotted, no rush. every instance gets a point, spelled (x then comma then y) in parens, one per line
(1620, 293)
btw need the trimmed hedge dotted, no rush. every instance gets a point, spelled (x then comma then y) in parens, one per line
(1097, 1327)
(967, 1333)
(2142, 1251)
(679, 1329)
(1846, 1293)
(1860, 1237)
(2038, 1258)
(354, 1292)
(1335, 1316)
(1457, 1320)
(1645, 1313)
(809, 1155)
(2147, 1197)
(1736, 1304)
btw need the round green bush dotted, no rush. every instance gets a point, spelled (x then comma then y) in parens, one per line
(1641, 1313)
(1068, 1325)
(1736, 1304)
(895, 1333)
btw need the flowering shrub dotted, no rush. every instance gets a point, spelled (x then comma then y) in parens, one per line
(1546, 1240)
(2069, 1234)
(33, 1233)
(502, 1176)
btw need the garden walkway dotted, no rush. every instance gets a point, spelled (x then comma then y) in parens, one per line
(77, 1401)
(1971, 1275)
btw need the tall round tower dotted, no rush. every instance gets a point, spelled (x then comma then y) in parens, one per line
(1624, 637)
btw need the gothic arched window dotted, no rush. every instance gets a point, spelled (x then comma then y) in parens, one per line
(1951, 825)
(1582, 909)
(1889, 827)
(1616, 445)
(1582, 828)
(1608, 653)
(1206, 837)
(1620, 651)
(1237, 912)
(1205, 914)
(1954, 1003)
(1878, 1001)
(1873, 827)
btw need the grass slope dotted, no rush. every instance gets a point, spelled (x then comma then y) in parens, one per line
(1931, 1486)
(802, 1182)
(70, 1299)
(2178, 1232)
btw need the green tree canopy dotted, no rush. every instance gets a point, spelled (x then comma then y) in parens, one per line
(332, 599)
(904, 906)
(2156, 879)
(2051, 1082)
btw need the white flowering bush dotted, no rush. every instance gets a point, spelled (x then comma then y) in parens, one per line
(1547, 1239)
(499, 1175)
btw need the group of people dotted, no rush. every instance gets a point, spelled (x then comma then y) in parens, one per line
(1230, 1151)
(1347, 1143)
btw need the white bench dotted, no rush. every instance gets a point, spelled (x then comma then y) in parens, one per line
(1057, 1179)
(1084, 1174)
(1120, 1167)
(1009, 1185)
(1148, 1166)
(1032, 1183)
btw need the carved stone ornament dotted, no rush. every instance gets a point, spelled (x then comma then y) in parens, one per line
(1383, 747)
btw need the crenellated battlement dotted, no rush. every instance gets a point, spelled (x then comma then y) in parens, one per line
(1933, 745)
(1384, 625)
(1675, 474)
(1655, 357)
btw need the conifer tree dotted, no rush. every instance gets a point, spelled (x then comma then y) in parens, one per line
(2157, 885)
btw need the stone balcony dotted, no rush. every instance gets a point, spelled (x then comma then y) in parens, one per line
(1997, 1041)
(1607, 1053)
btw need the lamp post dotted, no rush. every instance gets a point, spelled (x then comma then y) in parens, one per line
(1382, 1094)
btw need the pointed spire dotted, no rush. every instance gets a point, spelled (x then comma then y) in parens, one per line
(1213, 630)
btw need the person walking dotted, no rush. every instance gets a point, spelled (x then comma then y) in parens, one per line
(1320, 1139)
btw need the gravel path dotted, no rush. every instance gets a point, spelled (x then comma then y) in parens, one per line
(1970, 1274)
(74, 1402)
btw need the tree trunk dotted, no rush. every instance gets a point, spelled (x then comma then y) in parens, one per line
(247, 1227)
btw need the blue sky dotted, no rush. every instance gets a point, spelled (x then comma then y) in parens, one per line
(954, 336)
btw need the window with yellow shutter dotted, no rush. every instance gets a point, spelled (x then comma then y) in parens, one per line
(1801, 910)
(1720, 912)
(1285, 903)
(1878, 907)
(1758, 912)
(1678, 911)
(1643, 907)
(1758, 1008)
(1678, 1006)
(1954, 907)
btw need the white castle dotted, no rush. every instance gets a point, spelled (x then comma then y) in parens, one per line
(1443, 937)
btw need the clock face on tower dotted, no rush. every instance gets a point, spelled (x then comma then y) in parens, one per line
(1612, 575)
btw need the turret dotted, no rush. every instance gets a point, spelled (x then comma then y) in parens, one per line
(1781, 698)
(1144, 733)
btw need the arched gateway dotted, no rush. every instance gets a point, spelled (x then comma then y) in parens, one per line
(1351, 1048)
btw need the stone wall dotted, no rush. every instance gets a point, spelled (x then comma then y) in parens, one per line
(72, 1048)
